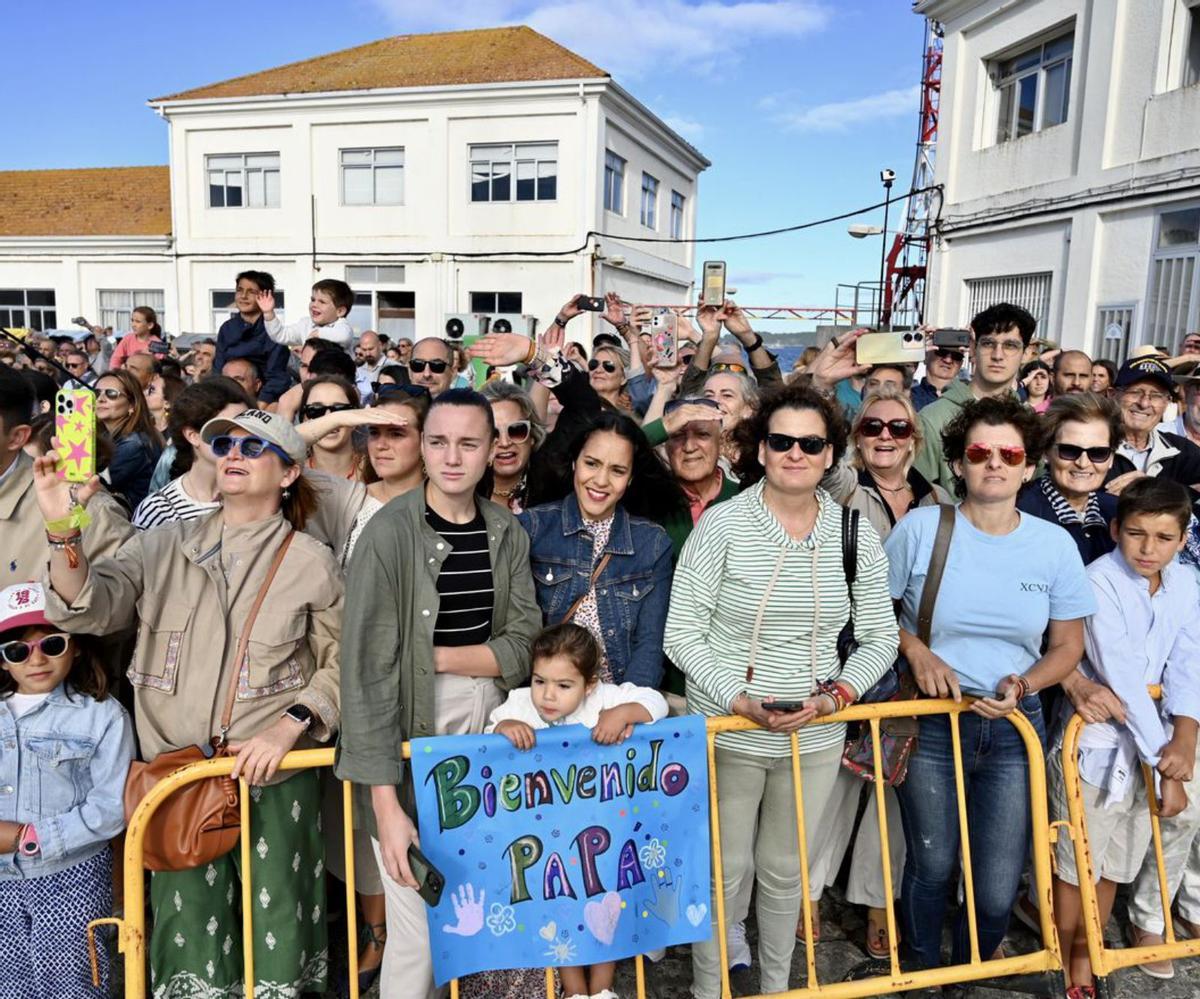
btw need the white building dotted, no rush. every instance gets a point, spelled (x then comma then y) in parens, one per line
(436, 174)
(1069, 147)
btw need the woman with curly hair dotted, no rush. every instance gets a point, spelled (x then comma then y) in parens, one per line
(1009, 579)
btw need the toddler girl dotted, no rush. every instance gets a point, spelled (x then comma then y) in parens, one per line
(66, 750)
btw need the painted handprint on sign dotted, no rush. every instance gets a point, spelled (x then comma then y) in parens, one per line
(467, 910)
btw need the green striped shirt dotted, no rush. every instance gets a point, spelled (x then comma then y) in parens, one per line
(754, 611)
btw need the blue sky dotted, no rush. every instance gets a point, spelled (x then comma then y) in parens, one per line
(798, 103)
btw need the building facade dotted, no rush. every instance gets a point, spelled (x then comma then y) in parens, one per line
(443, 187)
(1069, 151)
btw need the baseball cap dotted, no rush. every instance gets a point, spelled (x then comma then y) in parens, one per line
(269, 426)
(1145, 369)
(22, 606)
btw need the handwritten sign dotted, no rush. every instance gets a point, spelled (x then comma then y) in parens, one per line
(569, 853)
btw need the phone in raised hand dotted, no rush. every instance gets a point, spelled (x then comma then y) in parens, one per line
(714, 283)
(75, 428)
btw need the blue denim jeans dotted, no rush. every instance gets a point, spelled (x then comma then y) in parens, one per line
(996, 780)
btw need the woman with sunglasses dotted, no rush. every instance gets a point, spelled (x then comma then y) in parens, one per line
(188, 589)
(607, 373)
(121, 407)
(758, 600)
(334, 452)
(519, 433)
(1009, 580)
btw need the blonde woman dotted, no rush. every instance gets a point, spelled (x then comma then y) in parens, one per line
(879, 481)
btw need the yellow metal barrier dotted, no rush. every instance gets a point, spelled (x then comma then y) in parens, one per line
(132, 935)
(1105, 960)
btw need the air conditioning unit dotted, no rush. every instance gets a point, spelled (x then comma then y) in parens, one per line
(461, 324)
(511, 322)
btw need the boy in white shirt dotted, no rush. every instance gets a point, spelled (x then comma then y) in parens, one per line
(331, 300)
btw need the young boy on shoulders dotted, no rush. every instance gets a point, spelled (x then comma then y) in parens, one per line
(1145, 631)
(328, 305)
(245, 336)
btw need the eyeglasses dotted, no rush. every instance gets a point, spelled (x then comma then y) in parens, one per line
(810, 444)
(389, 388)
(988, 344)
(609, 366)
(901, 430)
(1072, 452)
(675, 404)
(1011, 455)
(418, 365)
(737, 369)
(52, 646)
(1146, 395)
(315, 410)
(111, 393)
(247, 447)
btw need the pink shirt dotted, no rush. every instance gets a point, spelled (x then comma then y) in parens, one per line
(128, 346)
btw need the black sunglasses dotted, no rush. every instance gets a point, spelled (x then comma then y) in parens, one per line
(315, 410)
(437, 367)
(872, 427)
(1072, 452)
(810, 444)
(949, 354)
(52, 646)
(390, 388)
(608, 366)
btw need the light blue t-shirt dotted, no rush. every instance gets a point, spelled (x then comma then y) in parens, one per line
(998, 593)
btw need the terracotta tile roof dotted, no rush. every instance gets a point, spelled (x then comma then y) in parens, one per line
(103, 201)
(489, 55)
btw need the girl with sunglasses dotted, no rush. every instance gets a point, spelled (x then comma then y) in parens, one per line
(63, 801)
(121, 407)
(1013, 585)
(187, 589)
(333, 452)
(757, 603)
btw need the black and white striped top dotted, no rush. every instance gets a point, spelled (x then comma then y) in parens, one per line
(170, 505)
(464, 584)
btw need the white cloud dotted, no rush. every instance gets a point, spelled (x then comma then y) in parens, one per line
(686, 127)
(744, 279)
(838, 116)
(629, 38)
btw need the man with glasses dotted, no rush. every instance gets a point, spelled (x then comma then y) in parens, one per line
(430, 365)
(1144, 387)
(82, 375)
(1002, 332)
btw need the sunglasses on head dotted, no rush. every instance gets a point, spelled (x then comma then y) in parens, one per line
(437, 367)
(738, 369)
(315, 410)
(52, 646)
(901, 430)
(1072, 452)
(247, 447)
(1011, 455)
(810, 444)
(609, 366)
(517, 432)
(388, 388)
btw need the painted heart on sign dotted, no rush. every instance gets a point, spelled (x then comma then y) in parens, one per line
(696, 913)
(601, 917)
(549, 931)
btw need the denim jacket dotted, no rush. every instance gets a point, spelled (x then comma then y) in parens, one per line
(632, 593)
(63, 768)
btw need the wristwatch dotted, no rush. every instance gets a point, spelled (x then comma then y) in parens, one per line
(559, 321)
(758, 342)
(300, 714)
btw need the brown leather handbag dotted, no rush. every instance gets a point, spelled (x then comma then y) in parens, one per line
(200, 821)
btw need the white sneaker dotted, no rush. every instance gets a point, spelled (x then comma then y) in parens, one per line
(737, 948)
(606, 994)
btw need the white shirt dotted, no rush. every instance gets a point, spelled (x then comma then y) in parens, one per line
(22, 704)
(519, 706)
(339, 331)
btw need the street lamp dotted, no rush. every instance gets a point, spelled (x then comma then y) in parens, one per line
(860, 231)
(887, 177)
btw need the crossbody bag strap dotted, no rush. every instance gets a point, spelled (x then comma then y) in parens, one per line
(244, 640)
(595, 576)
(850, 548)
(937, 565)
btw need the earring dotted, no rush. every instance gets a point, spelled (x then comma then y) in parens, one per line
(286, 494)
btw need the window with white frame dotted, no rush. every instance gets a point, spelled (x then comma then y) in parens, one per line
(1030, 291)
(649, 213)
(515, 172)
(222, 307)
(1173, 299)
(614, 183)
(1191, 51)
(372, 176)
(117, 305)
(1034, 87)
(494, 302)
(243, 180)
(677, 203)
(32, 308)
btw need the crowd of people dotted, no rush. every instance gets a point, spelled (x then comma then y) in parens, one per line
(365, 540)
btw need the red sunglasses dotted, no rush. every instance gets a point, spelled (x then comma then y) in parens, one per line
(977, 454)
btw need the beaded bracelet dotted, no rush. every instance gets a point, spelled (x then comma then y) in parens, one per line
(1024, 688)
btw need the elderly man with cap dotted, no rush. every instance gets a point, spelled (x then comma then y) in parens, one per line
(1144, 388)
(191, 588)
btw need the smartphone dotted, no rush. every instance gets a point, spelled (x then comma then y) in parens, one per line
(952, 338)
(664, 331)
(907, 347)
(784, 706)
(430, 881)
(75, 428)
(589, 303)
(158, 347)
(713, 292)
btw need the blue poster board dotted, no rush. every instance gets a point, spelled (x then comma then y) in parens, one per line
(570, 853)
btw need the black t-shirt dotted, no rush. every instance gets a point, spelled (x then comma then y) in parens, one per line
(464, 584)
